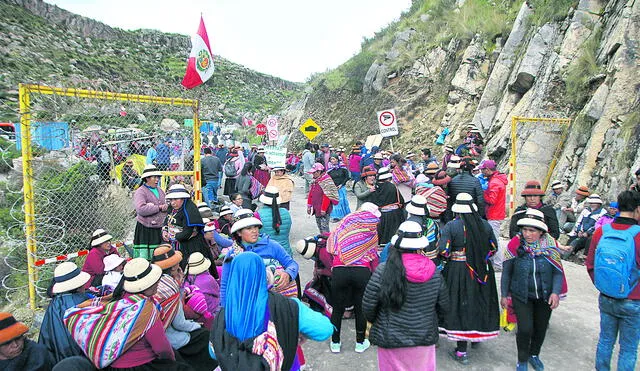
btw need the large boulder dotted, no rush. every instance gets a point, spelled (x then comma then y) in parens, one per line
(539, 46)
(376, 78)
(169, 125)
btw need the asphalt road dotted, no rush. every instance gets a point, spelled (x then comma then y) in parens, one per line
(570, 343)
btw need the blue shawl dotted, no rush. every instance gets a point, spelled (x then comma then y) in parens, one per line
(53, 333)
(246, 296)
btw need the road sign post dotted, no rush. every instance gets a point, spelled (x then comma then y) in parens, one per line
(388, 123)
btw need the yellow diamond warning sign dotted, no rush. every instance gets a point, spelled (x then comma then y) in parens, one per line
(310, 129)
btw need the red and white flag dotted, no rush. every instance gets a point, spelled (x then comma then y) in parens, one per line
(246, 121)
(200, 64)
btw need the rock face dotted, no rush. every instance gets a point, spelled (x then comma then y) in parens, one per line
(527, 73)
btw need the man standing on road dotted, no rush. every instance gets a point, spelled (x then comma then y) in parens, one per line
(618, 316)
(308, 159)
(495, 201)
(211, 169)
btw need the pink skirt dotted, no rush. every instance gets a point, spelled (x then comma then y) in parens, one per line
(407, 359)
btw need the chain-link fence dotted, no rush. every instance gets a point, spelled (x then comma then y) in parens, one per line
(82, 155)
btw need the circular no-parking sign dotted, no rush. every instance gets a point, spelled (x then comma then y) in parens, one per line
(387, 118)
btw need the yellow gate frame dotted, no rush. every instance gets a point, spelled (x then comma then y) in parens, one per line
(25, 91)
(512, 159)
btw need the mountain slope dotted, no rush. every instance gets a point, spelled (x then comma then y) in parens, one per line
(41, 43)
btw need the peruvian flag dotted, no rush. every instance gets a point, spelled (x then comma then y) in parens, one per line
(246, 121)
(200, 64)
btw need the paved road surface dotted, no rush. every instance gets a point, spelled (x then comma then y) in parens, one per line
(570, 343)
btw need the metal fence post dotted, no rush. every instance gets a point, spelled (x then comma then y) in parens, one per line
(27, 179)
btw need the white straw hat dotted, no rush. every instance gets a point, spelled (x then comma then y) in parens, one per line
(197, 263)
(556, 185)
(208, 227)
(67, 277)
(99, 236)
(463, 204)
(594, 198)
(533, 218)
(225, 210)
(307, 247)
(418, 206)
(150, 170)
(112, 261)
(177, 191)
(372, 208)
(384, 173)
(269, 193)
(410, 237)
(244, 218)
(139, 275)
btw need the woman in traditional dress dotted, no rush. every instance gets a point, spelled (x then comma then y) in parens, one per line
(467, 243)
(284, 183)
(247, 237)
(353, 245)
(230, 180)
(390, 202)
(317, 292)
(276, 220)
(403, 300)
(66, 291)
(243, 185)
(272, 321)
(340, 176)
(197, 274)
(402, 176)
(534, 280)
(184, 225)
(128, 324)
(94, 264)
(261, 168)
(365, 188)
(151, 209)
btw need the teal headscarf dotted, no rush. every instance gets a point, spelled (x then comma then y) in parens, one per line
(246, 297)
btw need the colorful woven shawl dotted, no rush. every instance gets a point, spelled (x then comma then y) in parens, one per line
(399, 176)
(546, 246)
(168, 297)
(106, 329)
(329, 188)
(355, 239)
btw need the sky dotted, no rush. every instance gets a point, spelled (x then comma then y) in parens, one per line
(290, 39)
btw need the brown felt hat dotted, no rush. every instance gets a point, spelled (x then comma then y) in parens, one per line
(583, 190)
(532, 188)
(164, 256)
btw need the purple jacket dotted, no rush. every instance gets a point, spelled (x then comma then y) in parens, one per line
(148, 207)
(209, 287)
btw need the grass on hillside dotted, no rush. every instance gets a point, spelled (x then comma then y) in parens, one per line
(580, 70)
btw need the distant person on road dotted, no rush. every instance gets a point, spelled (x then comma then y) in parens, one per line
(152, 154)
(284, 183)
(308, 159)
(365, 188)
(390, 202)
(619, 315)
(495, 197)
(534, 279)
(163, 159)
(211, 169)
(403, 300)
(323, 194)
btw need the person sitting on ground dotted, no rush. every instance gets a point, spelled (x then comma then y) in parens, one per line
(406, 290)
(187, 337)
(258, 326)
(585, 225)
(612, 212)
(247, 237)
(533, 194)
(130, 177)
(136, 337)
(236, 202)
(197, 274)
(66, 291)
(534, 279)
(113, 267)
(94, 264)
(572, 209)
(17, 353)
(226, 219)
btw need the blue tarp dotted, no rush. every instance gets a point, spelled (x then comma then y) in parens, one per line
(49, 135)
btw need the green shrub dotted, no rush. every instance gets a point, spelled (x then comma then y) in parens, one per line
(581, 70)
(545, 11)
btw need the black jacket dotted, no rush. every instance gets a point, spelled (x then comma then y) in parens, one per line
(416, 323)
(550, 219)
(467, 183)
(339, 176)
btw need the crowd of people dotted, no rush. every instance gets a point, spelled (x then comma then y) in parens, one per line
(215, 284)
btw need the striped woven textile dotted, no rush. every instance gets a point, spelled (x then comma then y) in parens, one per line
(168, 297)
(436, 199)
(400, 175)
(355, 239)
(106, 329)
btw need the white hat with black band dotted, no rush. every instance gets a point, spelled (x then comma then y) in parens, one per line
(409, 237)
(533, 218)
(99, 237)
(244, 218)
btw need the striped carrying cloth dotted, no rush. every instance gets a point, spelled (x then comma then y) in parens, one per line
(436, 199)
(168, 297)
(355, 239)
(106, 329)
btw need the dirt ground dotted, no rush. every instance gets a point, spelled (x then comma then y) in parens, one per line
(570, 342)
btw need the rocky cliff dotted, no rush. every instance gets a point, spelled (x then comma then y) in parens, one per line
(447, 63)
(41, 43)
